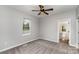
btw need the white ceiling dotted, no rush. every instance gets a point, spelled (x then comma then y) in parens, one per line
(57, 9)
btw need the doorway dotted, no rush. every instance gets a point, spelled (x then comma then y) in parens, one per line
(64, 32)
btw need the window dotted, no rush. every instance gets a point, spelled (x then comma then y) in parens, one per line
(26, 27)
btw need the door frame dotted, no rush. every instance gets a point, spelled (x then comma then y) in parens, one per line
(63, 20)
(77, 35)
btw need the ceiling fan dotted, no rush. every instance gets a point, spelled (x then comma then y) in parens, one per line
(42, 10)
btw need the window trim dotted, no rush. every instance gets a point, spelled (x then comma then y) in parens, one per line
(29, 32)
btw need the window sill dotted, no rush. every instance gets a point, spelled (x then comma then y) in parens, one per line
(26, 34)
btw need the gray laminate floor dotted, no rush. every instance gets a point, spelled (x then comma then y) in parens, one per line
(43, 47)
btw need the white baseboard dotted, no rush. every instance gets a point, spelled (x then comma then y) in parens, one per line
(49, 40)
(15, 46)
(76, 46)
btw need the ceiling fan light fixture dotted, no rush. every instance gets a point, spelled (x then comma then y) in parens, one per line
(43, 10)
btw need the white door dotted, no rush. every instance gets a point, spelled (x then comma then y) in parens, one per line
(77, 33)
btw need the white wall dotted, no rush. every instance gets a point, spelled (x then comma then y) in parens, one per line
(48, 26)
(11, 28)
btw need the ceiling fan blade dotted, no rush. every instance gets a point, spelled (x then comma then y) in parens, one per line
(46, 13)
(39, 13)
(35, 10)
(49, 9)
(41, 6)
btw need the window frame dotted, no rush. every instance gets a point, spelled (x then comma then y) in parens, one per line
(29, 32)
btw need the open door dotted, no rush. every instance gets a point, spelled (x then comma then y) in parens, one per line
(64, 32)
